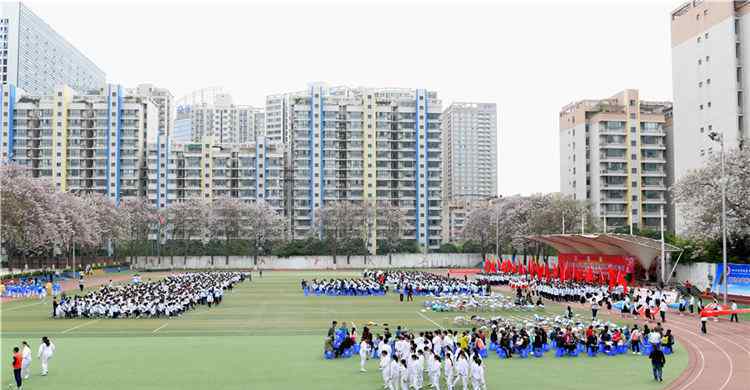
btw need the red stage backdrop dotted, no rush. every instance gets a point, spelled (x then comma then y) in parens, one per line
(599, 263)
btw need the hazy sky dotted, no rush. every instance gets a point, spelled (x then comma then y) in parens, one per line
(529, 57)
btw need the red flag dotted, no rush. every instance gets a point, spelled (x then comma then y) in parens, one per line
(590, 275)
(612, 277)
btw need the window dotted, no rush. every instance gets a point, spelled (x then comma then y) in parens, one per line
(700, 61)
(708, 58)
(700, 84)
(700, 107)
(699, 39)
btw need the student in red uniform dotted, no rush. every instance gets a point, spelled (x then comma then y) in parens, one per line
(17, 364)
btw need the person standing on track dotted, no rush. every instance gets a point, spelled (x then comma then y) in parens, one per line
(657, 363)
(80, 282)
(704, 320)
(734, 316)
(663, 311)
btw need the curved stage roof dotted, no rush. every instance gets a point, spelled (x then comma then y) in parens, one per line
(646, 250)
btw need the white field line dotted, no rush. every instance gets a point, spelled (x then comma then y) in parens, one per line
(729, 359)
(703, 365)
(80, 326)
(160, 328)
(428, 319)
(23, 306)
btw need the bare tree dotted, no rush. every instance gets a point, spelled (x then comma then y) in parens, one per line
(391, 223)
(263, 225)
(342, 224)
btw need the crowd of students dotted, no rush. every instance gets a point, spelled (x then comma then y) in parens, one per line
(410, 359)
(407, 283)
(29, 288)
(166, 297)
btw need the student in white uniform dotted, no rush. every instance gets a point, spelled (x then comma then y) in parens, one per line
(46, 350)
(403, 375)
(414, 372)
(477, 374)
(385, 368)
(448, 370)
(26, 365)
(462, 369)
(396, 376)
(434, 371)
(364, 354)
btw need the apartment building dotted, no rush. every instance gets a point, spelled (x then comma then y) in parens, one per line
(470, 151)
(375, 145)
(209, 170)
(35, 58)
(92, 142)
(217, 116)
(164, 101)
(613, 154)
(709, 51)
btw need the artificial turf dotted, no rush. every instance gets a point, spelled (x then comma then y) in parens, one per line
(267, 335)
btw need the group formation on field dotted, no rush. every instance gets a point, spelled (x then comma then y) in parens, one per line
(406, 283)
(168, 297)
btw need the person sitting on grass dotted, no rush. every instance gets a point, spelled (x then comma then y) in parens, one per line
(668, 340)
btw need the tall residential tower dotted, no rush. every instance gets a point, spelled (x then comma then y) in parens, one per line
(709, 50)
(470, 151)
(613, 154)
(375, 145)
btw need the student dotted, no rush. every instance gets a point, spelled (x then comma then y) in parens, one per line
(434, 371)
(668, 340)
(663, 311)
(80, 283)
(734, 316)
(385, 368)
(635, 340)
(462, 369)
(17, 364)
(570, 313)
(704, 320)
(46, 350)
(448, 370)
(477, 374)
(403, 375)
(364, 354)
(26, 364)
(691, 305)
(414, 372)
(396, 375)
(657, 362)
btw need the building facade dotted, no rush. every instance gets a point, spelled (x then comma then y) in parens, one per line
(164, 101)
(88, 143)
(207, 170)
(374, 145)
(470, 151)
(613, 154)
(219, 118)
(709, 51)
(35, 58)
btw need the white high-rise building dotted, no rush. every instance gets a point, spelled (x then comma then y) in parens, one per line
(709, 50)
(375, 145)
(164, 100)
(470, 151)
(215, 115)
(37, 59)
(613, 154)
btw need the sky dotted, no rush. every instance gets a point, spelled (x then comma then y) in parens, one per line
(530, 57)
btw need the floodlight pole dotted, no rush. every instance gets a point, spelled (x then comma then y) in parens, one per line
(719, 137)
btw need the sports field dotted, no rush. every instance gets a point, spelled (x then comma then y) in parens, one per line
(267, 335)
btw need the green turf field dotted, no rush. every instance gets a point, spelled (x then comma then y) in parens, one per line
(267, 335)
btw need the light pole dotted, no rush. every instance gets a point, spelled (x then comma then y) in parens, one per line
(717, 137)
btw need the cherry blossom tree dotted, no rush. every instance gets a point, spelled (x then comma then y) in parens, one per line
(698, 197)
(391, 224)
(343, 225)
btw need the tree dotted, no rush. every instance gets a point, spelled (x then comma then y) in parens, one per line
(188, 220)
(29, 212)
(228, 220)
(480, 228)
(139, 217)
(343, 225)
(391, 223)
(263, 225)
(698, 197)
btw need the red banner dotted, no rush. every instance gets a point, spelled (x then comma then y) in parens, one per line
(599, 264)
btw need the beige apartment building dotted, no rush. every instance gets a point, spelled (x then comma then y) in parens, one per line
(613, 154)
